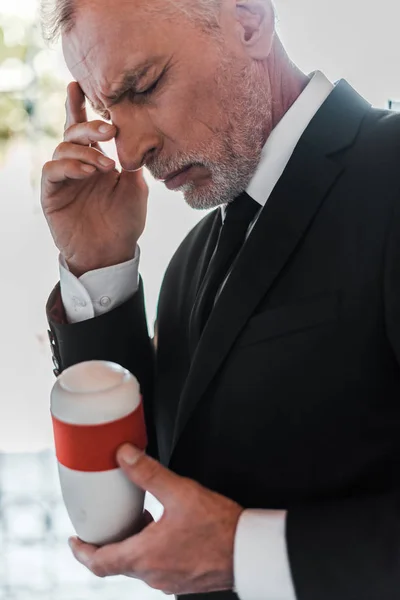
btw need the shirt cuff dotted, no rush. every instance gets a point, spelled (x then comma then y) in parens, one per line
(261, 563)
(97, 292)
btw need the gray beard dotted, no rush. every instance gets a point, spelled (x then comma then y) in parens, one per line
(235, 149)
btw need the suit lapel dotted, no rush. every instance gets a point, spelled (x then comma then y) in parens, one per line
(284, 221)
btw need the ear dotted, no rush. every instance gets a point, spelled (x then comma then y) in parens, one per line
(256, 19)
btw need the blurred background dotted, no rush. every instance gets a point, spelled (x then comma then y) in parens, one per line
(353, 39)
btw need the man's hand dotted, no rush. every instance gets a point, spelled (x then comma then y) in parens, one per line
(189, 550)
(95, 214)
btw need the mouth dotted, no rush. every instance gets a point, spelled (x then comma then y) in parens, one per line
(177, 178)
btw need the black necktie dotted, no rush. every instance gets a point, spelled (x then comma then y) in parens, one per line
(239, 215)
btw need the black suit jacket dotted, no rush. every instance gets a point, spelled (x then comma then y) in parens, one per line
(291, 400)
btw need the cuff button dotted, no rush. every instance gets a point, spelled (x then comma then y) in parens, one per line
(105, 301)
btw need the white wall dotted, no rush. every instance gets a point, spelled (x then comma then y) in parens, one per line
(355, 39)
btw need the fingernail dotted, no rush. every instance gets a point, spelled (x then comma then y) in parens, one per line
(105, 128)
(105, 161)
(130, 454)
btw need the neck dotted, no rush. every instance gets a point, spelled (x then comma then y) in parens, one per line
(286, 82)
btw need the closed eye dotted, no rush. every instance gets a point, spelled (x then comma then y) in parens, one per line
(149, 89)
(135, 94)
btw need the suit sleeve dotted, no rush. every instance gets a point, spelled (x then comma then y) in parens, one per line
(119, 335)
(350, 549)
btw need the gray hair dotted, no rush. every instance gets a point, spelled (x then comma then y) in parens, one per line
(58, 16)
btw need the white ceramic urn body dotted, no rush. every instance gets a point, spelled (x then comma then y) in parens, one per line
(104, 506)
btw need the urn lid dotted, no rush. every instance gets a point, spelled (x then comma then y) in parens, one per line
(94, 392)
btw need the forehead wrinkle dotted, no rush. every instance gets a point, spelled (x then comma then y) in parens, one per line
(127, 81)
(96, 107)
(84, 75)
(84, 58)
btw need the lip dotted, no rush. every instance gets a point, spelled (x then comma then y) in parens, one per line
(178, 178)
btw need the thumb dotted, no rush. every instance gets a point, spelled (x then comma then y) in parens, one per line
(148, 474)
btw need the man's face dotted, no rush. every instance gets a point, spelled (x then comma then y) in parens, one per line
(191, 101)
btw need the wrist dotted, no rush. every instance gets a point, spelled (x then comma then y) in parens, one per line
(79, 268)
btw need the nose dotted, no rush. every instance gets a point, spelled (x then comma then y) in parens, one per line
(137, 138)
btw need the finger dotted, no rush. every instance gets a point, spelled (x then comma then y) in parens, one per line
(57, 171)
(149, 474)
(75, 105)
(105, 561)
(90, 133)
(113, 559)
(84, 154)
(84, 553)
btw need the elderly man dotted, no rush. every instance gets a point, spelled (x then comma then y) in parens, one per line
(273, 397)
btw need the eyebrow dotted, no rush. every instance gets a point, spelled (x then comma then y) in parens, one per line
(130, 81)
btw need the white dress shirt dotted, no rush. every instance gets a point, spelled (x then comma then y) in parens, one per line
(261, 564)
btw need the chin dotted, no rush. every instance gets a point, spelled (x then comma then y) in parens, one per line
(201, 197)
